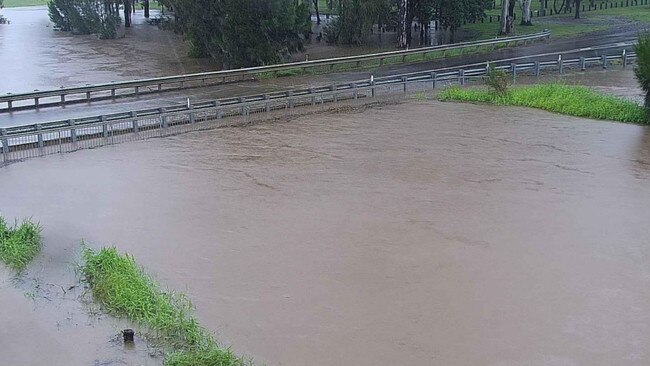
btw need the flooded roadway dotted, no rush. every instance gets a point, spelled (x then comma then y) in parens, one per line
(423, 233)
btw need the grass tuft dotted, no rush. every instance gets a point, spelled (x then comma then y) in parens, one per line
(571, 100)
(125, 290)
(19, 244)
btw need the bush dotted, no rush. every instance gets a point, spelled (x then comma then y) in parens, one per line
(83, 17)
(642, 69)
(497, 80)
(19, 244)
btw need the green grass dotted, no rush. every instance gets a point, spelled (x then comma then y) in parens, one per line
(19, 244)
(565, 99)
(125, 290)
(17, 3)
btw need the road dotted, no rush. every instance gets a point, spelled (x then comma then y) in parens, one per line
(591, 44)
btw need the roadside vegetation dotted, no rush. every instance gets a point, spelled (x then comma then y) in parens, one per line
(123, 289)
(19, 244)
(642, 70)
(571, 100)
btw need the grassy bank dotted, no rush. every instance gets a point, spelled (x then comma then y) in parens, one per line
(19, 244)
(125, 290)
(565, 99)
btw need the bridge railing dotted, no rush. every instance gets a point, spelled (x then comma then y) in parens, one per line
(81, 94)
(17, 143)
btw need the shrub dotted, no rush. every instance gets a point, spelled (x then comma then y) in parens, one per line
(83, 17)
(642, 69)
(497, 80)
(19, 244)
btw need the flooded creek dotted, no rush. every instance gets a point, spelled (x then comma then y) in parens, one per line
(423, 233)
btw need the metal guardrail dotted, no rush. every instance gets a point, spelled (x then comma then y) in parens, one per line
(22, 142)
(154, 85)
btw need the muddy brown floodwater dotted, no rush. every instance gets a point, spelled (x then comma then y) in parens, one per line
(423, 233)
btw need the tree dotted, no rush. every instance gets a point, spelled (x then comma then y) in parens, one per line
(525, 12)
(84, 17)
(404, 25)
(577, 4)
(642, 70)
(317, 12)
(504, 16)
(355, 20)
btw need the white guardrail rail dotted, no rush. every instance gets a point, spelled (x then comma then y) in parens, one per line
(81, 94)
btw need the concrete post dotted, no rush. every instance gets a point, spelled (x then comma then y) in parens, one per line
(583, 64)
(461, 77)
(513, 67)
(537, 68)
(604, 61)
(560, 64)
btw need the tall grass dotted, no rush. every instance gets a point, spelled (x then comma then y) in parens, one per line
(125, 290)
(19, 244)
(642, 70)
(565, 99)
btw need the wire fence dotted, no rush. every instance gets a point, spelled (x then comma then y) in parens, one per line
(23, 142)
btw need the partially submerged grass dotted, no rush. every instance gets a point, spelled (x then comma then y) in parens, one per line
(566, 99)
(125, 290)
(19, 244)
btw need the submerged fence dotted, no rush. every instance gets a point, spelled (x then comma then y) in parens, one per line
(18, 143)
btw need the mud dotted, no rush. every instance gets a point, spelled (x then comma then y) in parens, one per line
(424, 233)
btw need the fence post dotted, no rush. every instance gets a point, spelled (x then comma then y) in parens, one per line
(372, 88)
(560, 64)
(192, 115)
(461, 77)
(537, 68)
(104, 126)
(313, 98)
(583, 64)
(40, 138)
(9, 105)
(5, 144)
(604, 61)
(404, 81)
(433, 80)
(335, 97)
(513, 67)
(355, 92)
(163, 121)
(624, 58)
(73, 132)
(242, 100)
(134, 115)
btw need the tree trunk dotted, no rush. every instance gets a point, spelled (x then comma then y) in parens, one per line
(146, 8)
(577, 3)
(402, 41)
(504, 16)
(317, 13)
(127, 13)
(525, 12)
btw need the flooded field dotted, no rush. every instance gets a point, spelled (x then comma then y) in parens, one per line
(423, 233)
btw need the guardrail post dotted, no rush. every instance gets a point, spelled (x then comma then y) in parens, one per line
(334, 97)
(372, 88)
(217, 109)
(290, 97)
(163, 119)
(267, 103)
(36, 102)
(9, 104)
(113, 93)
(137, 91)
(537, 68)
(461, 77)
(192, 115)
(583, 63)
(560, 64)
(242, 100)
(104, 126)
(433, 80)
(405, 81)
(39, 137)
(88, 96)
(604, 61)
(355, 92)
(73, 132)
(62, 99)
(624, 58)
(313, 98)
(136, 128)
(513, 67)
(5, 144)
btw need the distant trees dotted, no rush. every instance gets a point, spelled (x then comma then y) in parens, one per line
(242, 33)
(85, 16)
